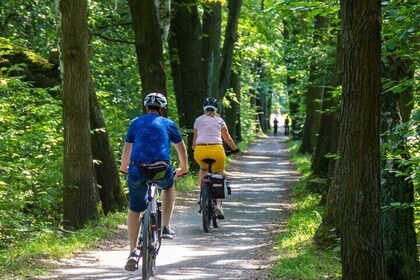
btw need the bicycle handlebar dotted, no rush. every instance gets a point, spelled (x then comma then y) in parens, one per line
(231, 152)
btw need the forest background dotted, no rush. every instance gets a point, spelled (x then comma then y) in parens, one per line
(262, 58)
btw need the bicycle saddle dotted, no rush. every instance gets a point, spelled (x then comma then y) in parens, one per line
(154, 171)
(208, 160)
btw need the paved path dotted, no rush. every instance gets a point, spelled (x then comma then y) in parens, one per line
(242, 248)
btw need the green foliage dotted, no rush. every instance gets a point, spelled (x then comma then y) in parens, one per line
(407, 154)
(30, 162)
(400, 27)
(276, 43)
(407, 157)
(29, 23)
(298, 256)
(50, 244)
(188, 183)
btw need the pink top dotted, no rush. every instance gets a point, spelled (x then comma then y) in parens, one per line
(209, 129)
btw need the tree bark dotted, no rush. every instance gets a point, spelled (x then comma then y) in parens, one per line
(79, 200)
(232, 113)
(185, 49)
(320, 163)
(149, 49)
(212, 25)
(358, 170)
(163, 9)
(328, 231)
(313, 94)
(400, 244)
(315, 90)
(105, 167)
(399, 69)
(229, 45)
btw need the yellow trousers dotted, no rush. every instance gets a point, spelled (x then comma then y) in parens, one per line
(216, 152)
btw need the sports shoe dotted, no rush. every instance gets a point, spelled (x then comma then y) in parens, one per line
(219, 212)
(168, 233)
(132, 261)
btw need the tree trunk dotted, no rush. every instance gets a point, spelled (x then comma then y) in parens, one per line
(400, 244)
(313, 94)
(229, 44)
(358, 170)
(163, 9)
(399, 69)
(148, 39)
(315, 89)
(294, 98)
(185, 49)
(320, 163)
(106, 171)
(232, 113)
(212, 25)
(328, 231)
(79, 200)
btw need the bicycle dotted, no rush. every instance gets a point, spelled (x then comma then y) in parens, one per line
(213, 186)
(149, 240)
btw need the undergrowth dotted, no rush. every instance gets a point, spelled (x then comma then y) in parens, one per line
(298, 257)
(35, 256)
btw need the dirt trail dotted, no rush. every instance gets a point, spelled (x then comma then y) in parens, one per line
(242, 248)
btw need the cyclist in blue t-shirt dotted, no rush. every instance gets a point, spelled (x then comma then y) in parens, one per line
(149, 140)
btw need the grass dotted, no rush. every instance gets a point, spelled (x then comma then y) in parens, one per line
(26, 259)
(187, 183)
(29, 258)
(298, 258)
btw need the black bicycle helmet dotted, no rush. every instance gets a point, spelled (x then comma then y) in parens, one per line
(210, 104)
(155, 99)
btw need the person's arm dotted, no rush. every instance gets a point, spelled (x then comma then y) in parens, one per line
(228, 139)
(182, 158)
(125, 157)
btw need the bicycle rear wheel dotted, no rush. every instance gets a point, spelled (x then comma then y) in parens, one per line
(206, 210)
(215, 221)
(147, 250)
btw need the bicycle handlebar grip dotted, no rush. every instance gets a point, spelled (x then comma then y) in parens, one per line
(230, 152)
(182, 175)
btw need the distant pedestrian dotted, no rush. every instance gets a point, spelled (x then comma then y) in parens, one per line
(275, 125)
(286, 126)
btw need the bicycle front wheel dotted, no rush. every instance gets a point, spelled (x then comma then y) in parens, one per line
(147, 250)
(206, 210)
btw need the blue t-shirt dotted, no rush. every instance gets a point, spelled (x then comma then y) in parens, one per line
(151, 136)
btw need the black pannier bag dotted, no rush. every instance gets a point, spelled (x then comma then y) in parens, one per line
(219, 188)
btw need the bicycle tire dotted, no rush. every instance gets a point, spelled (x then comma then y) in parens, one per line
(159, 221)
(206, 210)
(215, 221)
(146, 249)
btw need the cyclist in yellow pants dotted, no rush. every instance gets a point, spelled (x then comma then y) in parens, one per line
(210, 131)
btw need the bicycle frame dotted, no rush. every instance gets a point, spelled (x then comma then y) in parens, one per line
(150, 238)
